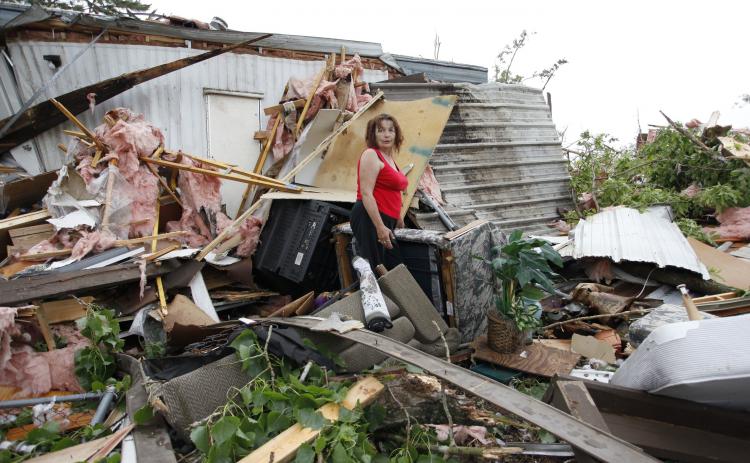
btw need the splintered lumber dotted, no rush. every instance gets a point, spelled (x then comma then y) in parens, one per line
(118, 243)
(232, 168)
(41, 117)
(88, 133)
(273, 110)
(288, 177)
(584, 436)
(284, 446)
(309, 99)
(261, 161)
(92, 451)
(266, 182)
(44, 285)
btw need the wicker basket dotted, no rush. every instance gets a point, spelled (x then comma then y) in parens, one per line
(502, 334)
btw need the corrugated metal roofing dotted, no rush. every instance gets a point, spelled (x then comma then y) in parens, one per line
(442, 71)
(499, 157)
(625, 234)
(174, 102)
(281, 41)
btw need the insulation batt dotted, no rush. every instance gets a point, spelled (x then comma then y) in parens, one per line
(735, 224)
(429, 185)
(202, 192)
(37, 372)
(324, 97)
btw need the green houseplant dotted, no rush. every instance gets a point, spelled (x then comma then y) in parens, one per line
(522, 265)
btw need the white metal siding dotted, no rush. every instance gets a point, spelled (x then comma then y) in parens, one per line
(173, 102)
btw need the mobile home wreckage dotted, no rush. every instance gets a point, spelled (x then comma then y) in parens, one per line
(179, 281)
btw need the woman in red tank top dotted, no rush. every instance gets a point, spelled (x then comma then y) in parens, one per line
(380, 185)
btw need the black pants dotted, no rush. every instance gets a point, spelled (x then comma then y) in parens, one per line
(366, 243)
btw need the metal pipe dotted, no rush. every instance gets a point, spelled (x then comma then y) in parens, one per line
(103, 408)
(45, 400)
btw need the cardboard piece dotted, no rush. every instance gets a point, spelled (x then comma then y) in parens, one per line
(184, 312)
(537, 358)
(731, 271)
(422, 122)
(590, 347)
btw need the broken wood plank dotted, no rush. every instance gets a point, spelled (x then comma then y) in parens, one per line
(276, 109)
(261, 135)
(43, 285)
(65, 310)
(88, 451)
(42, 116)
(44, 328)
(283, 447)
(308, 100)
(31, 218)
(573, 398)
(288, 177)
(590, 439)
(538, 359)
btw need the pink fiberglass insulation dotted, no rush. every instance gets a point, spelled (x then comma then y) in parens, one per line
(735, 224)
(81, 241)
(37, 372)
(429, 185)
(130, 137)
(200, 192)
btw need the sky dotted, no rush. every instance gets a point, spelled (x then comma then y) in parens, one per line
(626, 60)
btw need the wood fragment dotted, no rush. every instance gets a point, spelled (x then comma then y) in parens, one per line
(261, 161)
(41, 319)
(276, 109)
(313, 89)
(284, 446)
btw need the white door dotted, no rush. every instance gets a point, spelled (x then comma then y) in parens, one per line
(233, 119)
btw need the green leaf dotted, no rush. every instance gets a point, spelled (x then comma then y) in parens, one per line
(224, 429)
(320, 444)
(546, 437)
(531, 292)
(277, 422)
(47, 432)
(143, 415)
(199, 436)
(63, 443)
(349, 416)
(305, 454)
(340, 454)
(310, 418)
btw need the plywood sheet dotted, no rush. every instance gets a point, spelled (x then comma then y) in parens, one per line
(422, 122)
(538, 359)
(724, 268)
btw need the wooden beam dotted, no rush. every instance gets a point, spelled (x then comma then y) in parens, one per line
(283, 447)
(590, 439)
(42, 117)
(44, 285)
(313, 89)
(41, 319)
(276, 109)
(269, 183)
(288, 177)
(261, 161)
(573, 398)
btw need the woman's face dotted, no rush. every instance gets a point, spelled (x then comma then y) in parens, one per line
(385, 134)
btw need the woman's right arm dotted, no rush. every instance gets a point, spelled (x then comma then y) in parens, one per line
(369, 168)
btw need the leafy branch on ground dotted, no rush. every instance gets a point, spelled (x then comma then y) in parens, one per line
(270, 403)
(670, 170)
(95, 365)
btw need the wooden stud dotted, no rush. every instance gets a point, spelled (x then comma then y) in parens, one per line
(78, 123)
(159, 283)
(73, 133)
(155, 255)
(44, 328)
(269, 183)
(261, 135)
(447, 276)
(313, 89)
(261, 160)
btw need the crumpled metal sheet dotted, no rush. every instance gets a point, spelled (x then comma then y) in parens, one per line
(625, 234)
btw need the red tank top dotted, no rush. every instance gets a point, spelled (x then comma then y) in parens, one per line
(388, 187)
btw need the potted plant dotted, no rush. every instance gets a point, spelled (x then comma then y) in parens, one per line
(522, 265)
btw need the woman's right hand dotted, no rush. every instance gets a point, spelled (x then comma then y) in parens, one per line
(384, 237)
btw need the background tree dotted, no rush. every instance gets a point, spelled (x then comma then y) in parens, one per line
(505, 58)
